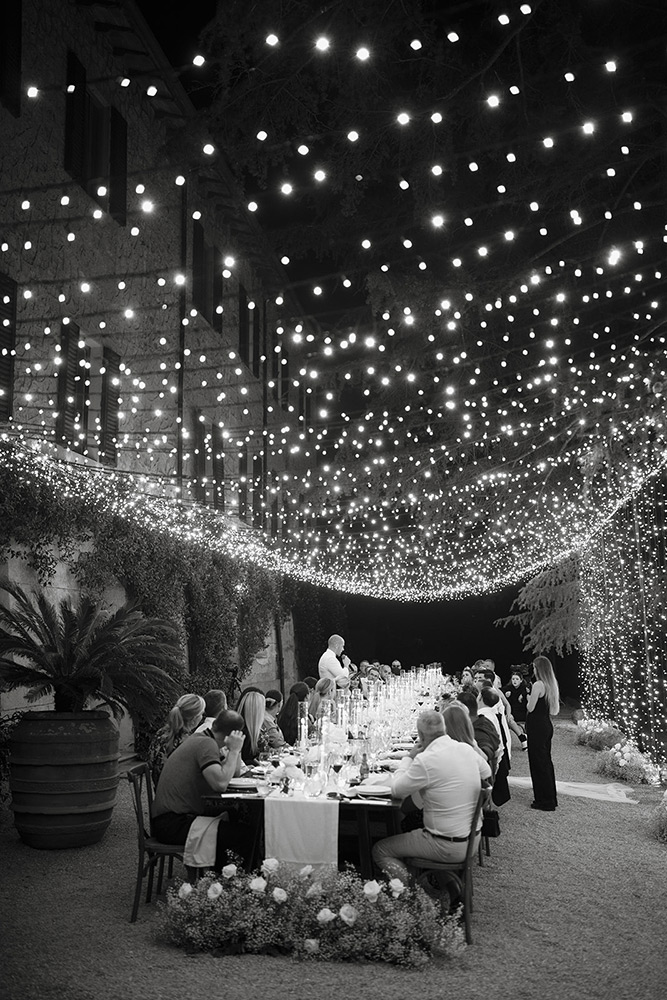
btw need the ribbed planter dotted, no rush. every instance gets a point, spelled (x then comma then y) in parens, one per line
(63, 777)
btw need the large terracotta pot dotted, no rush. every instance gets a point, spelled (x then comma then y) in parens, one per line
(63, 777)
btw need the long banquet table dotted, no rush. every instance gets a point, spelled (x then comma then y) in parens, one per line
(360, 816)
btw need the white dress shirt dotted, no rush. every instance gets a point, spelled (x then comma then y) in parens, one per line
(330, 666)
(445, 779)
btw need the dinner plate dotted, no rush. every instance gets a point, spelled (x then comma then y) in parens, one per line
(242, 783)
(373, 791)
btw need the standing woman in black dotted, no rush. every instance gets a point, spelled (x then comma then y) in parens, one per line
(543, 702)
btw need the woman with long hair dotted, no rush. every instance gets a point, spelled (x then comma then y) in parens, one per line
(288, 720)
(324, 691)
(252, 709)
(183, 718)
(273, 702)
(459, 727)
(543, 702)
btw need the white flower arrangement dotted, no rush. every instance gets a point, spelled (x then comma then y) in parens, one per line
(336, 916)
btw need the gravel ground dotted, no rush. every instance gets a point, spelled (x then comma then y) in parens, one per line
(570, 904)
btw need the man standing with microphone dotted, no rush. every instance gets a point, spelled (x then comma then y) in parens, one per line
(334, 663)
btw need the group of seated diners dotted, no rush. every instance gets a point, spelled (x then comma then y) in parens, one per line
(463, 747)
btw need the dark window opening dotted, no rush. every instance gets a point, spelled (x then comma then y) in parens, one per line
(95, 143)
(10, 55)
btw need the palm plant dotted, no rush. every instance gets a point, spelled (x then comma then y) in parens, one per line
(84, 653)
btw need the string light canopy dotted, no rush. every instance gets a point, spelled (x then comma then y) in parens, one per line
(469, 205)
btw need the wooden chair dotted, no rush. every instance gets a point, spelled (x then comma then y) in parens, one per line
(152, 853)
(461, 869)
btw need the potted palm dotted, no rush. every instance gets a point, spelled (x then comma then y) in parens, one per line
(64, 763)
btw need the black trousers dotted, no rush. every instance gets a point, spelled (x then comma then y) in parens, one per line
(172, 828)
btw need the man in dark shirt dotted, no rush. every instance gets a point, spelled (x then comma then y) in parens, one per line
(193, 770)
(486, 736)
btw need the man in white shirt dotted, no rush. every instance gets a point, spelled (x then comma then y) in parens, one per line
(330, 665)
(444, 777)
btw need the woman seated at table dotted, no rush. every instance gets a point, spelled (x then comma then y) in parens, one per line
(183, 718)
(324, 692)
(273, 703)
(458, 725)
(253, 711)
(288, 720)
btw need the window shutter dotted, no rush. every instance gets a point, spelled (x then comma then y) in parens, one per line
(75, 119)
(7, 344)
(10, 55)
(117, 167)
(284, 382)
(244, 326)
(243, 483)
(256, 343)
(199, 457)
(257, 490)
(109, 407)
(67, 387)
(218, 469)
(217, 318)
(198, 267)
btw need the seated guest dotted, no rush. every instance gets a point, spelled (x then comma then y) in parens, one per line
(444, 777)
(459, 726)
(183, 718)
(288, 720)
(244, 694)
(196, 769)
(216, 702)
(273, 703)
(396, 668)
(325, 690)
(467, 679)
(311, 682)
(253, 711)
(486, 734)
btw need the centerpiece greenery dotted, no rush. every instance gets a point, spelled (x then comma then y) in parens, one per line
(334, 916)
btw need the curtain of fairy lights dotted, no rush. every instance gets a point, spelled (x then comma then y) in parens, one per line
(624, 600)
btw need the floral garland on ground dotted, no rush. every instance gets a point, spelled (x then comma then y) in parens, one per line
(336, 916)
(620, 756)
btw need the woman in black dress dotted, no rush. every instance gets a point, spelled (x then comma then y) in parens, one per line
(543, 702)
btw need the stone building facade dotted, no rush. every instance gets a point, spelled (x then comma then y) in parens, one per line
(141, 310)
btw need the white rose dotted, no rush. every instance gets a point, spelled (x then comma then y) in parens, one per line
(312, 946)
(325, 916)
(214, 890)
(279, 895)
(229, 871)
(372, 890)
(306, 871)
(270, 866)
(396, 887)
(348, 914)
(184, 891)
(258, 885)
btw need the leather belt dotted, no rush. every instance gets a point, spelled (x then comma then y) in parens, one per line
(443, 836)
